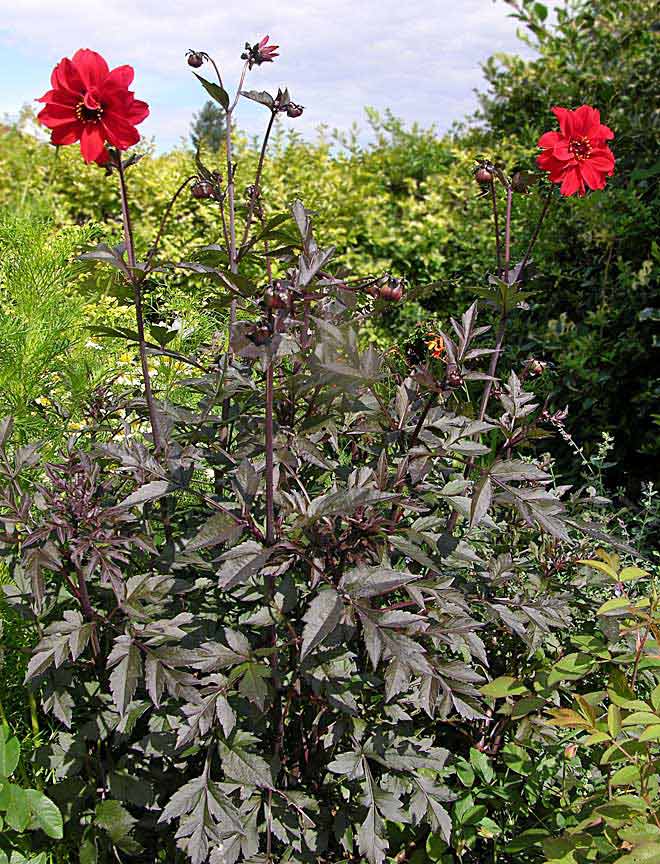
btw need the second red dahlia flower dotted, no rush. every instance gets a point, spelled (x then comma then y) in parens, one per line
(93, 105)
(578, 155)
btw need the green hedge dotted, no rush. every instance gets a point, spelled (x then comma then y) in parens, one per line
(407, 203)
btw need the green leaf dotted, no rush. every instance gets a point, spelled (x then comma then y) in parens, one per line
(571, 668)
(45, 813)
(517, 759)
(215, 91)
(17, 807)
(641, 718)
(321, 619)
(505, 685)
(651, 733)
(10, 750)
(647, 853)
(614, 720)
(88, 853)
(118, 823)
(525, 706)
(629, 574)
(481, 763)
(625, 776)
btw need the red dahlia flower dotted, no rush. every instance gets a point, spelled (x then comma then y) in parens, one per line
(91, 104)
(578, 154)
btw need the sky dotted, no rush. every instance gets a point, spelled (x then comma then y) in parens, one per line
(421, 59)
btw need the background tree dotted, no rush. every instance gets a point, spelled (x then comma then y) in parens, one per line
(208, 127)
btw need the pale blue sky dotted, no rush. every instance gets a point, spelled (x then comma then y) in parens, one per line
(421, 59)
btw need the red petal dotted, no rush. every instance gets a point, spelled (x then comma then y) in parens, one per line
(92, 143)
(585, 120)
(565, 117)
(91, 67)
(65, 77)
(55, 115)
(548, 139)
(547, 162)
(572, 183)
(593, 177)
(137, 112)
(603, 160)
(604, 133)
(122, 76)
(67, 133)
(60, 97)
(119, 132)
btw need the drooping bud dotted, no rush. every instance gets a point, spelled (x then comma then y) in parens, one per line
(202, 189)
(293, 110)
(483, 176)
(195, 58)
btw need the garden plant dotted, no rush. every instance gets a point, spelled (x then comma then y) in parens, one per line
(324, 600)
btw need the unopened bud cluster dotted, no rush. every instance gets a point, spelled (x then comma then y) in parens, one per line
(388, 288)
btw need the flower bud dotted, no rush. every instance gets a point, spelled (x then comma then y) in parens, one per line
(536, 367)
(278, 296)
(483, 176)
(390, 289)
(293, 110)
(259, 335)
(454, 377)
(195, 59)
(202, 189)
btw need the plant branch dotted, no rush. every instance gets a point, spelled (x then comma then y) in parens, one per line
(498, 247)
(257, 177)
(535, 235)
(137, 296)
(154, 248)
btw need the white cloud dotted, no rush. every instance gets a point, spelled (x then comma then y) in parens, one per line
(421, 59)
